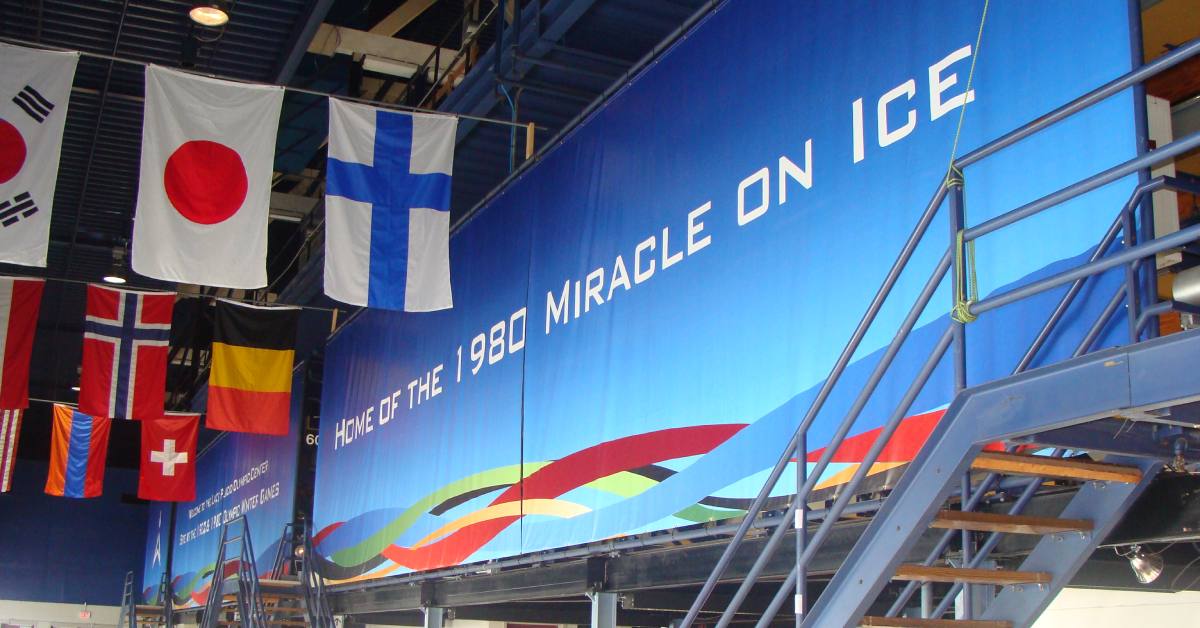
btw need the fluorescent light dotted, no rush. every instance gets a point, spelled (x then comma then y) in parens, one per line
(392, 67)
(75, 388)
(209, 14)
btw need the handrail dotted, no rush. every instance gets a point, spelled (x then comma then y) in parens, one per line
(1129, 257)
(282, 554)
(319, 613)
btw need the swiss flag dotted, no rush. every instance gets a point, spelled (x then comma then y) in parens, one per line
(20, 300)
(168, 472)
(208, 152)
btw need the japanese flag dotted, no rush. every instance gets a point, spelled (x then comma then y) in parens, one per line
(208, 150)
(35, 86)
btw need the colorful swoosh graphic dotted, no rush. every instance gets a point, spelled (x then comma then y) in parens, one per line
(629, 467)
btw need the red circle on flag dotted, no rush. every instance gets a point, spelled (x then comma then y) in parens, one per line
(205, 181)
(12, 151)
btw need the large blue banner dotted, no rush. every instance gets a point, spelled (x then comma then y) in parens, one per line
(641, 320)
(240, 474)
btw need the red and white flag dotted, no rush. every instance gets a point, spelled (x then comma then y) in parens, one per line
(208, 152)
(10, 434)
(126, 336)
(35, 86)
(168, 469)
(20, 300)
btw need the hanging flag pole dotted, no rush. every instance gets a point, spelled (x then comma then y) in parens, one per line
(298, 90)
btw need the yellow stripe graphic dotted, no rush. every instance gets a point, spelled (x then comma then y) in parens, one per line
(552, 507)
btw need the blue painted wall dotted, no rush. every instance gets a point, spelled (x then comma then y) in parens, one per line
(54, 549)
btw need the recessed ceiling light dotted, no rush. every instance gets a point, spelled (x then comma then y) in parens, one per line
(209, 14)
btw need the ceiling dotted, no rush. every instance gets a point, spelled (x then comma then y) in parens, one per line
(568, 53)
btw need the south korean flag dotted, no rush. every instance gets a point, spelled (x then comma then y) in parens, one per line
(35, 86)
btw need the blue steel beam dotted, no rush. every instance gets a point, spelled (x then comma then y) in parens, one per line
(477, 95)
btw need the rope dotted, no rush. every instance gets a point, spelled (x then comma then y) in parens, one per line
(966, 285)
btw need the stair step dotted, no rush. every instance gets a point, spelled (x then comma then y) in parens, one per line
(1043, 466)
(910, 622)
(921, 573)
(1013, 524)
(278, 584)
(148, 609)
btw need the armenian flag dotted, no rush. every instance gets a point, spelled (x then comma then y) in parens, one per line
(250, 382)
(78, 449)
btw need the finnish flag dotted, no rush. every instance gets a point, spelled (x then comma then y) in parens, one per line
(387, 208)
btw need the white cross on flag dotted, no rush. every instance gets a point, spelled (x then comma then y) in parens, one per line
(168, 469)
(208, 151)
(35, 86)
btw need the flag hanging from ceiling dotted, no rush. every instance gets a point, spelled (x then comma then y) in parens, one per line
(126, 334)
(78, 449)
(387, 208)
(20, 300)
(10, 435)
(35, 86)
(250, 379)
(208, 149)
(168, 468)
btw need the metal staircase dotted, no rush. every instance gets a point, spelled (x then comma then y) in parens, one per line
(320, 615)
(235, 597)
(293, 566)
(156, 614)
(1113, 419)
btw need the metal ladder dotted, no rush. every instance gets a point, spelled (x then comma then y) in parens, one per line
(320, 615)
(1084, 404)
(234, 575)
(292, 564)
(134, 615)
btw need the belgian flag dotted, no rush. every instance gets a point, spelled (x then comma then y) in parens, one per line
(250, 382)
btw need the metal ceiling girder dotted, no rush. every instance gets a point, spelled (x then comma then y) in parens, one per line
(299, 43)
(477, 95)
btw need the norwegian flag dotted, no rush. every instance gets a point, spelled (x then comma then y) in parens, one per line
(125, 344)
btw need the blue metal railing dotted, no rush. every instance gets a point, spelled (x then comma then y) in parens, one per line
(319, 613)
(1128, 256)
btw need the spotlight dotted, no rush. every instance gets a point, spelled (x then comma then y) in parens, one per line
(210, 14)
(75, 388)
(299, 551)
(1147, 567)
(116, 273)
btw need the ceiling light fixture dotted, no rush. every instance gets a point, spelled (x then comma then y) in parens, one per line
(211, 14)
(1147, 567)
(116, 272)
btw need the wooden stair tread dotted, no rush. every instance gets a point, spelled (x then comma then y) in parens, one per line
(1043, 466)
(921, 573)
(911, 622)
(278, 584)
(147, 608)
(1013, 524)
